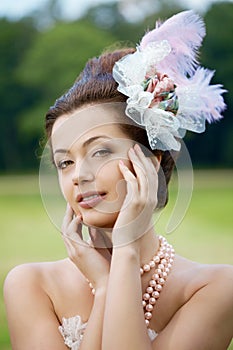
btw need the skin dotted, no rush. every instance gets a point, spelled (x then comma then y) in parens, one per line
(195, 308)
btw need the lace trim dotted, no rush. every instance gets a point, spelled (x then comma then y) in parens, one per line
(72, 330)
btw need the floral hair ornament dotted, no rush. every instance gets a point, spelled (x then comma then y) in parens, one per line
(169, 93)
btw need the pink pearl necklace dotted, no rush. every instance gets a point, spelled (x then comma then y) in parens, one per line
(164, 260)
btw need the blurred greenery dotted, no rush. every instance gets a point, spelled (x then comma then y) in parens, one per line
(41, 56)
(27, 234)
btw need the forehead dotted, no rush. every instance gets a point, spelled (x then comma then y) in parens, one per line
(90, 121)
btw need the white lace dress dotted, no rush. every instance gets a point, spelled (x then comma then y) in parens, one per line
(72, 330)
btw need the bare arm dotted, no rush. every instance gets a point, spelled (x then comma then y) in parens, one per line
(93, 334)
(124, 325)
(94, 265)
(124, 317)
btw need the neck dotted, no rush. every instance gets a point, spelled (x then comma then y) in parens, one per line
(149, 246)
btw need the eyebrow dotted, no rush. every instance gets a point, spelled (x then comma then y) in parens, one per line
(85, 144)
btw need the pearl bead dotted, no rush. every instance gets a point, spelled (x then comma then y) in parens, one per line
(156, 259)
(152, 301)
(152, 264)
(161, 267)
(143, 303)
(158, 287)
(147, 323)
(146, 296)
(146, 267)
(163, 261)
(164, 274)
(149, 307)
(149, 290)
(155, 276)
(161, 281)
(155, 294)
(148, 315)
(141, 271)
(152, 283)
(159, 271)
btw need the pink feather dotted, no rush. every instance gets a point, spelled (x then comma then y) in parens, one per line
(204, 99)
(184, 32)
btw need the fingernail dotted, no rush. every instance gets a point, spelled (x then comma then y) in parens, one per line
(121, 163)
(137, 148)
(131, 150)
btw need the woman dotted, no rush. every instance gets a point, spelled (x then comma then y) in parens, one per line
(114, 138)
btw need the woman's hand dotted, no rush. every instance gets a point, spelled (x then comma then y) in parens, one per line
(135, 217)
(94, 263)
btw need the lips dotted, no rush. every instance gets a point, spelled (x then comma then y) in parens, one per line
(90, 199)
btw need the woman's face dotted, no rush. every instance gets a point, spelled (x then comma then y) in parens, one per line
(87, 146)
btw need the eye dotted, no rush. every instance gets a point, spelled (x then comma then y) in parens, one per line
(101, 152)
(63, 164)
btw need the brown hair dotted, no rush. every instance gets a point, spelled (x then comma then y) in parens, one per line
(96, 84)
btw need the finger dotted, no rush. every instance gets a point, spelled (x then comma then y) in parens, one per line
(137, 163)
(69, 213)
(71, 226)
(76, 225)
(148, 187)
(146, 161)
(140, 172)
(151, 164)
(131, 181)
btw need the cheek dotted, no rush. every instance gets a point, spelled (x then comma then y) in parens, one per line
(65, 185)
(110, 178)
(110, 174)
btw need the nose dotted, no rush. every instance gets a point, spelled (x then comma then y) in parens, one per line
(83, 173)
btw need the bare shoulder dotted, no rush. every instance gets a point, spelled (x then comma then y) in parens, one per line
(217, 275)
(194, 276)
(26, 285)
(27, 275)
(220, 286)
(223, 273)
(33, 275)
(204, 316)
(53, 281)
(36, 298)
(209, 280)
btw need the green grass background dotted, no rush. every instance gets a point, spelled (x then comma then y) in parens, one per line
(27, 234)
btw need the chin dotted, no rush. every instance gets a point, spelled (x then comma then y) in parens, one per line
(100, 220)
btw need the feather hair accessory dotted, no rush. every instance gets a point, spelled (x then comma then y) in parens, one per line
(168, 92)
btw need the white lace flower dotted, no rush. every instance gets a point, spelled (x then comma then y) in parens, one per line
(162, 129)
(145, 88)
(72, 330)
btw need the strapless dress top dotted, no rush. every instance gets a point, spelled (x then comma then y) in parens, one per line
(72, 330)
